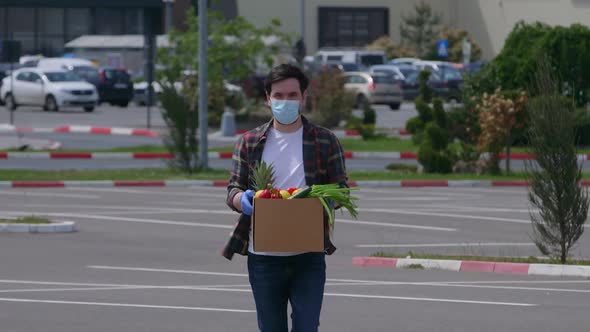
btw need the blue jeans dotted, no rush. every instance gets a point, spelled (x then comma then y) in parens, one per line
(297, 279)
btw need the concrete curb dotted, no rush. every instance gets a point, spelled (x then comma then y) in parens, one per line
(394, 155)
(477, 266)
(224, 183)
(83, 130)
(54, 227)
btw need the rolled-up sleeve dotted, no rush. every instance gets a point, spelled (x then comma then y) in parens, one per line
(238, 180)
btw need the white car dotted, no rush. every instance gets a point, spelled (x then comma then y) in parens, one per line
(51, 89)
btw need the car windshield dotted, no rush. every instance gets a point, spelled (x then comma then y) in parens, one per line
(62, 76)
(450, 73)
(87, 73)
(383, 79)
(370, 60)
(407, 71)
(349, 66)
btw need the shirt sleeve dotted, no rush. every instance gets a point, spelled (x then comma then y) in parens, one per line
(238, 180)
(336, 164)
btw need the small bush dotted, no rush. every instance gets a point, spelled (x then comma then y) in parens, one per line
(434, 161)
(424, 111)
(436, 137)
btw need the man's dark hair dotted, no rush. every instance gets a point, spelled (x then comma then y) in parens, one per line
(283, 72)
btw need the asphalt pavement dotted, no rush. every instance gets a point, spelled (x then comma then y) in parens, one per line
(149, 260)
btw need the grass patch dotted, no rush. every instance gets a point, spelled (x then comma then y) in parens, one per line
(529, 260)
(26, 220)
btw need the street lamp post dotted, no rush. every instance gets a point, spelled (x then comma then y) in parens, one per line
(203, 91)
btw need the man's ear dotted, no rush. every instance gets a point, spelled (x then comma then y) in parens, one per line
(304, 101)
(268, 100)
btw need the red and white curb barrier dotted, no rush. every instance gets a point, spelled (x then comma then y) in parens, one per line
(224, 183)
(477, 266)
(218, 155)
(82, 130)
(54, 227)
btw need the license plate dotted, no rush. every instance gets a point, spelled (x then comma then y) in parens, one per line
(121, 86)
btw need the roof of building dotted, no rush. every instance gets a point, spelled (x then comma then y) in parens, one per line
(115, 41)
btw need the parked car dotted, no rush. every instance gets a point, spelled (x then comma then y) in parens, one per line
(51, 89)
(140, 91)
(359, 57)
(446, 83)
(375, 88)
(403, 61)
(113, 84)
(389, 70)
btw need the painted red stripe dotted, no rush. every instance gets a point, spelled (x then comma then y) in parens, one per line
(509, 183)
(3, 155)
(139, 183)
(348, 155)
(100, 130)
(588, 157)
(24, 130)
(241, 131)
(352, 184)
(408, 155)
(427, 183)
(144, 132)
(474, 266)
(404, 132)
(351, 132)
(37, 184)
(220, 183)
(585, 182)
(152, 155)
(514, 268)
(225, 155)
(70, 155)
(374, 261)
(518, 156)
(65, 129)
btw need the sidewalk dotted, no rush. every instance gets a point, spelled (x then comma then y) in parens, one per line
(555, 270)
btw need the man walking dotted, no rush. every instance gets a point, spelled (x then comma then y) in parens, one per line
(302, 154)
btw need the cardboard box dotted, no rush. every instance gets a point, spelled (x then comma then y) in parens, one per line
(288, 225)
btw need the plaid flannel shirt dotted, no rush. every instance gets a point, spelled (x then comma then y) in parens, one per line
(323, 163)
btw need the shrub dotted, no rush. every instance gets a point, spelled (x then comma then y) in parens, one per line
(434, 161)
(330, 103)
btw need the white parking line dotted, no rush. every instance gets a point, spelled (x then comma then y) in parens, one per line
(48, 194)
(154, 192)
(125, 305)
(450, 215)
(372, 223)
(436, 245)
(428, 299)
(136, 220)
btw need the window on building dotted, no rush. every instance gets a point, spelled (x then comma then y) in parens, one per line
(20, 24)
(77, 23)
(2, 23)
(109, 21)
(134, 21)
(50, 31)
(349, 27)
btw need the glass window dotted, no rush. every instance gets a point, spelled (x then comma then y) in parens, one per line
(347, 26)
(2, 23)
(51, 45)
(33, 77)
(134, 21)
(386, 79)
(51, 21)
(109, 21)
(77, 23)
(24, 76)
(62, 76)
(20, 23)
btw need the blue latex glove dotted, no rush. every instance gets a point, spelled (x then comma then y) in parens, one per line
(246, 201)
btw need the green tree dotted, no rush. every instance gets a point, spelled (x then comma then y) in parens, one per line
(555, 179)
(567, 49)
(237, 48)
(392, 50)
(455, 38)
(420, 29)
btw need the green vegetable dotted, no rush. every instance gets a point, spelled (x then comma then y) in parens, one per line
(303, 193)
(339, 195)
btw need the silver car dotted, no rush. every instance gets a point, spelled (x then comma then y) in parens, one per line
(375, 88)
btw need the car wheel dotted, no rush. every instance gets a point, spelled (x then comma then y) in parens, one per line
(10, 102)
(360, 101)
(394, 106)
(51, 104)
(88, 108)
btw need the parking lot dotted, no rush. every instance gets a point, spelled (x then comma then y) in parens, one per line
(149, 260)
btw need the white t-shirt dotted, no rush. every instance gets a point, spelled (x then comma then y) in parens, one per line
(285, 152)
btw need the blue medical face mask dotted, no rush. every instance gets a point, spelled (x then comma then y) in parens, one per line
(285, 111)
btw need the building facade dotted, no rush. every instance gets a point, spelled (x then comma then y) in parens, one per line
(45, 26)
(357, 23)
